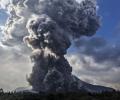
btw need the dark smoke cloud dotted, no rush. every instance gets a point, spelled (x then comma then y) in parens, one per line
(77, 19)
(50, 37)
(53, 25)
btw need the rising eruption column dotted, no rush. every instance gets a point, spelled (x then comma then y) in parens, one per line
(49, 27)
(51, 34)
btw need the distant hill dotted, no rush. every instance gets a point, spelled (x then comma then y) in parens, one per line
(92, 88)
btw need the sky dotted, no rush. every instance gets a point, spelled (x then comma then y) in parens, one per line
(97, 66)
(110, 18)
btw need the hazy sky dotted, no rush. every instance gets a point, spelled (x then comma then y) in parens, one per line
(97, 66)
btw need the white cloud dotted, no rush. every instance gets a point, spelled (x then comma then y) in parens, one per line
(79, 0)
(93, 72)
(13, 69)
(4, 3)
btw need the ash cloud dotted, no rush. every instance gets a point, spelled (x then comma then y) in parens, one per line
(53, 25)
(77, 19)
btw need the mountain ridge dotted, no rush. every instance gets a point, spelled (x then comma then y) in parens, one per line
(82, 86)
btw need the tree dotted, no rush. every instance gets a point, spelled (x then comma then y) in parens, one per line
(1, 90)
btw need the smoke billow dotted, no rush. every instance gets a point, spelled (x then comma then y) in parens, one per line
(53, 25)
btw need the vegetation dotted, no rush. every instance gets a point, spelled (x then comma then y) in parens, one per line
(61, 96)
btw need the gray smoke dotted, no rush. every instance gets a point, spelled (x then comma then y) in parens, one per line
(53, 25)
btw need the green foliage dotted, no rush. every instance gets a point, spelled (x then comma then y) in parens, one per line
(61, 96)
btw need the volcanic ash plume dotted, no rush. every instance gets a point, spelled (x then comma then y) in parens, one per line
(53, 25)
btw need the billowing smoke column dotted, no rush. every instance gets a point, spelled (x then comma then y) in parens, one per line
(53, 25)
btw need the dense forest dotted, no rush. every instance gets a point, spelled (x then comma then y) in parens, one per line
(60, 96)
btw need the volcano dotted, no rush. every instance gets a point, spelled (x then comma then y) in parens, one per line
(49, 27)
